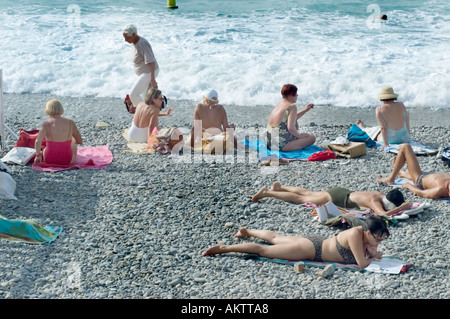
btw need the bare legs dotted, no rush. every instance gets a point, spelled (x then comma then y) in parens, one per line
(405, 155)
(284, 247)
(300, 143)
(292, 194)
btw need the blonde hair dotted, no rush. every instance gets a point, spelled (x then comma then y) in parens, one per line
(54, 107)
(152, 93)
(209, 102)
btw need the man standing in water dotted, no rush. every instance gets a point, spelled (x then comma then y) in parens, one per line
(145, 65)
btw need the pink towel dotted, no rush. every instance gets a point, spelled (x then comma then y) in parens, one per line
(88, 157)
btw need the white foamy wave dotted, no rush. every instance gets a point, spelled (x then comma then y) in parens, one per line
(334, 57)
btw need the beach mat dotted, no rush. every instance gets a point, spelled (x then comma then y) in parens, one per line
(88, 157)
(363, 214)
(136, 148)
(27, 231)
(263, 152)
(419, 149)
(387, 265)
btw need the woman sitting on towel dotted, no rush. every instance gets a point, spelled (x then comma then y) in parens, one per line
(356, 245)
(282, 126)
(62, 137)
(393, 120)
(144, 126)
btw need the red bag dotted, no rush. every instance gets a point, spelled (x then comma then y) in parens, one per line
(322, 156)
(28, 138)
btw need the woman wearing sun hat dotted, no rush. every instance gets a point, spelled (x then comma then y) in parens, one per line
(393, 120)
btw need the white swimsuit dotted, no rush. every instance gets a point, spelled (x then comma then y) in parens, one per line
(138, 134)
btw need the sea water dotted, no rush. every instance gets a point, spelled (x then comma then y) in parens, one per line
(336, 52)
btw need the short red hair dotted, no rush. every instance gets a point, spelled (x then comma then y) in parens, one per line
(288, 90)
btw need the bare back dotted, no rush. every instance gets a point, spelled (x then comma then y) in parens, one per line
(144, 114)
(393, 115)
(439, 182)
(213, 116)
(278, 112)
(59, 129)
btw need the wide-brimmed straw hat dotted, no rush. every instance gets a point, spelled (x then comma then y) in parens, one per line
(387, 93)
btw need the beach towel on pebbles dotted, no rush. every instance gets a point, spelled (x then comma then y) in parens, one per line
(263, 152)
(419, 149)
(88, 157)
(27, 231)
(136, 148)
(350, 216)
(387, 265)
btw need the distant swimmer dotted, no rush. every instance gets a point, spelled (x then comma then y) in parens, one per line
(383, 17)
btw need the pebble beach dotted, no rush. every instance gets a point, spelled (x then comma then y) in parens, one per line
(137, 229)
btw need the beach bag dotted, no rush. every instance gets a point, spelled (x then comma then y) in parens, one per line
(350, 150)
(28, 138)
(356, 134)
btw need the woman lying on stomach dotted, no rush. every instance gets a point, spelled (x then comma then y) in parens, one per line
(356, 245)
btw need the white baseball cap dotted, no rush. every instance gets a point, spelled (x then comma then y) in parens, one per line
(212, 95)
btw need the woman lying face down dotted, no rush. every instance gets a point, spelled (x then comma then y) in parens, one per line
(356, 245)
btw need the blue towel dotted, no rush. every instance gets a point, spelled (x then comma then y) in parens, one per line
(27, 231)
(356, 134)
(260, 146)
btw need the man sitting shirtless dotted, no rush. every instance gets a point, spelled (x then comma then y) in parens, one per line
(379, 203)
(427, 185)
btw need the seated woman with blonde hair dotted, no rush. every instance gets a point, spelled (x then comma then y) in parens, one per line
(62, 137)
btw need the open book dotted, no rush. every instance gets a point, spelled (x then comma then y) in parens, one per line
(19, 155)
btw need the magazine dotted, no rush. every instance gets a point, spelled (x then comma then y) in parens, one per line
(19, 155)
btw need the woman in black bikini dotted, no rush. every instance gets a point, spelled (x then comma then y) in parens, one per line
(352, 246)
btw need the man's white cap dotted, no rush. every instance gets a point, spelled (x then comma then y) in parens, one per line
(212, 95)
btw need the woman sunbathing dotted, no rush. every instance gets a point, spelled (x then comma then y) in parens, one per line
(379, 203)
(352, 246)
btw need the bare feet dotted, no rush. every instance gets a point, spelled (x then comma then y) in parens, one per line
(260, 194)
(385, 180)
(214, 250)
(276, 186)
(360, 124)
(242, 233)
